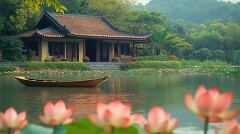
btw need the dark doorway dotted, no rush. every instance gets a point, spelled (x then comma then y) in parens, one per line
(72, 51)
(91, 50)
(105, 52)
(32, 48)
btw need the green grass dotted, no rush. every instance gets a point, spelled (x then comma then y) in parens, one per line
(152, 58)
(7, 69)
(203, 64)
(209, 67)
(152, 65)
(55, 65)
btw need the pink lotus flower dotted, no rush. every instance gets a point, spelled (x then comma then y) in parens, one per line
(56, 114)
(159, 121)
(10, 119)
(210, 104)
(231, 127)
(114, 114)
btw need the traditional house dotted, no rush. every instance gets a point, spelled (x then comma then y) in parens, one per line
(76, 37)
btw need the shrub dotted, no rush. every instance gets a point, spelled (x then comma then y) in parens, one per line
(172, 57)
(11, 49)
(202, 54)
(56, 65)
(218, 55)
(7, 68)
(154, 57)
(152, 64)
(236, 57)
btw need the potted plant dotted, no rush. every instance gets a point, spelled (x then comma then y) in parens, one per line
(115, 59)
(86, 59)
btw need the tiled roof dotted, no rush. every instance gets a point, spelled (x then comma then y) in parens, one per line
(29, 33)
(46, 32)
(80, 26)
(49, 32)
(89, 26)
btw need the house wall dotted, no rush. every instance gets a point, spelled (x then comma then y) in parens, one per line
(44, 55)
(118, 43)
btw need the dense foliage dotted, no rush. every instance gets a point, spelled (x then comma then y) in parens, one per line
(213, 40)
(11, 49)
(15, 15)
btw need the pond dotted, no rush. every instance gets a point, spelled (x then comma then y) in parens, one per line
(143, 91)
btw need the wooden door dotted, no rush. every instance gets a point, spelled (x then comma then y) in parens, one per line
(72, 51)
(69, 52)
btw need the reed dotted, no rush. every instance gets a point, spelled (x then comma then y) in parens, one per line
(55, 65)
(152, 65)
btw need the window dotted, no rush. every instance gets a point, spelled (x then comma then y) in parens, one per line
(56, 49)
(125, 49)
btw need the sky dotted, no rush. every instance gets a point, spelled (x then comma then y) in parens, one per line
(146, 1)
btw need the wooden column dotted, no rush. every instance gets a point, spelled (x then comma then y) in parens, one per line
(84, 48)
(40, 50)
(44, 49)
(133, 47)
(113, 47)
(80, 51)
(65, 50)
(98, 57)
(119, 49)
(110, 52)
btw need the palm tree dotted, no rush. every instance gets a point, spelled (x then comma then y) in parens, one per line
(158, 39)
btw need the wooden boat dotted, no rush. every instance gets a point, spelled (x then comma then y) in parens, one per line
(60, 83)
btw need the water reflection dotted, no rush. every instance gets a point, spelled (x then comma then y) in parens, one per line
(142, 91)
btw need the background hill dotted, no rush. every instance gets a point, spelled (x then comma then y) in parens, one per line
(197, 10)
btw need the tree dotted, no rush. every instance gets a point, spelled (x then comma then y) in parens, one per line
(15, 13)
(143, 22)
(211, 40)
(11, 49)
(202, 54)
(218, 55)
(178, 45)
(158, 39)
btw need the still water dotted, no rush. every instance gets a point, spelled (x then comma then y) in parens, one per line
(143, 91)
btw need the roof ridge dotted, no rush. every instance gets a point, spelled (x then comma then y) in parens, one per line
(81, 15)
